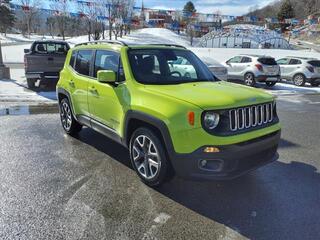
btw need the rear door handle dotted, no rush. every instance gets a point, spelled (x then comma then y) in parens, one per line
(93, 90)
(71, 83)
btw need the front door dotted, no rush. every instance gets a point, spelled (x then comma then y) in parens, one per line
(105, 99)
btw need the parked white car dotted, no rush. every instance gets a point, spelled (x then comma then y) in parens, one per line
(300, 70)
(218, 70)
(253, 68)
(182, 66)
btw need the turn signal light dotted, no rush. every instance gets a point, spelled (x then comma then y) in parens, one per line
(211, 150)
(191, 118)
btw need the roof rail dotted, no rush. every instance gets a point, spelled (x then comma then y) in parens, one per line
(102, 41)
(167, 44)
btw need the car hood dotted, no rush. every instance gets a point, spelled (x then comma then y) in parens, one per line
(213, 95)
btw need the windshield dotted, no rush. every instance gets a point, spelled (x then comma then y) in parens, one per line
(168, 66)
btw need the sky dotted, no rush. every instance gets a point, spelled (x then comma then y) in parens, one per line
(226, 7)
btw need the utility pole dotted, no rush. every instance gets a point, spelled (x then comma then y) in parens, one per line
(4, 71)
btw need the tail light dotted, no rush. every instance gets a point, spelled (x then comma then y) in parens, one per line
(259, 67)
(311, 69)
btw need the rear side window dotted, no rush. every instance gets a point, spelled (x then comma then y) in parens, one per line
(83, 62)
(314, 63)
(73, 58)
(51, 48)
(295, 62)
(246, 60)
(106, 60)
(267, 61)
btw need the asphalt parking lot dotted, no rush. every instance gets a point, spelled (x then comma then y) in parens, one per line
(57, 187)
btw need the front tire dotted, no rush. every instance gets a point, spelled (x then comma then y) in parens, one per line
(31, 83)
(299, 80)
(148, 157)
(69, 123)
(249, 80)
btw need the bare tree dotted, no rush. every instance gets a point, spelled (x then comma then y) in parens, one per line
(92, 14)
(30, 9)
(61, 8)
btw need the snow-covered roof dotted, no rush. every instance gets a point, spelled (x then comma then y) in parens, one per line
(246, 32)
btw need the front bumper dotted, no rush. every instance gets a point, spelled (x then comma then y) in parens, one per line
(232, 160)
(268, 78)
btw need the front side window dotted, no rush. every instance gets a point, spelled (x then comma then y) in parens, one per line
(83, 62)
(236, 59)
(106, 60)
(283, 61)
(168, 66)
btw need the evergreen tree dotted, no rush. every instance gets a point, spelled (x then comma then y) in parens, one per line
(189, 8)
(286, 10)
(7, 17)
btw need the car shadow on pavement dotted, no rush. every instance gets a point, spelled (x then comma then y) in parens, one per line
(278, 201)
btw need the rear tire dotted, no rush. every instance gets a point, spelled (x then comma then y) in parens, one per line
(149, 158)
(271, 84)
(249, 80)
(69, 123)
(299, 80)
(31, 83)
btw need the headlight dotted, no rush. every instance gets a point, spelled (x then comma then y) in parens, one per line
(211, 120)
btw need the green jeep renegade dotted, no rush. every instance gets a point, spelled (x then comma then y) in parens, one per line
(174, 119)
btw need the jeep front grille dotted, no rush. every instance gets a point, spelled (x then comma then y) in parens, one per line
(249, 117)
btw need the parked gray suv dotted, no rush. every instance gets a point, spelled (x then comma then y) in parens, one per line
(253, 68)
(44, 61)
(300, 70)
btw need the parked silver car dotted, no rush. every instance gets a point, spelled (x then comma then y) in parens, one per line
(300, 70)
(253, 68)
(218, 70)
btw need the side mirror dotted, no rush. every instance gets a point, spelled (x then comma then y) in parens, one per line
(107, 76)
(26, 50)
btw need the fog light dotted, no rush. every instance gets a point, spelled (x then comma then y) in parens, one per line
(211, 150)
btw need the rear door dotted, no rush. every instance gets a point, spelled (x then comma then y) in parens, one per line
(78, 82)
(105, 99)
(293, 67)
(245, 63)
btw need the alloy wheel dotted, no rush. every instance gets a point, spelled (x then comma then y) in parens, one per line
(146, 157)
(249, 79)
(65, 114)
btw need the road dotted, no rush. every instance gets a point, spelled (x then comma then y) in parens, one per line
(54, 186)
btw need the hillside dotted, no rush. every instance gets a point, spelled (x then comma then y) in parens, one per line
(301, 8)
